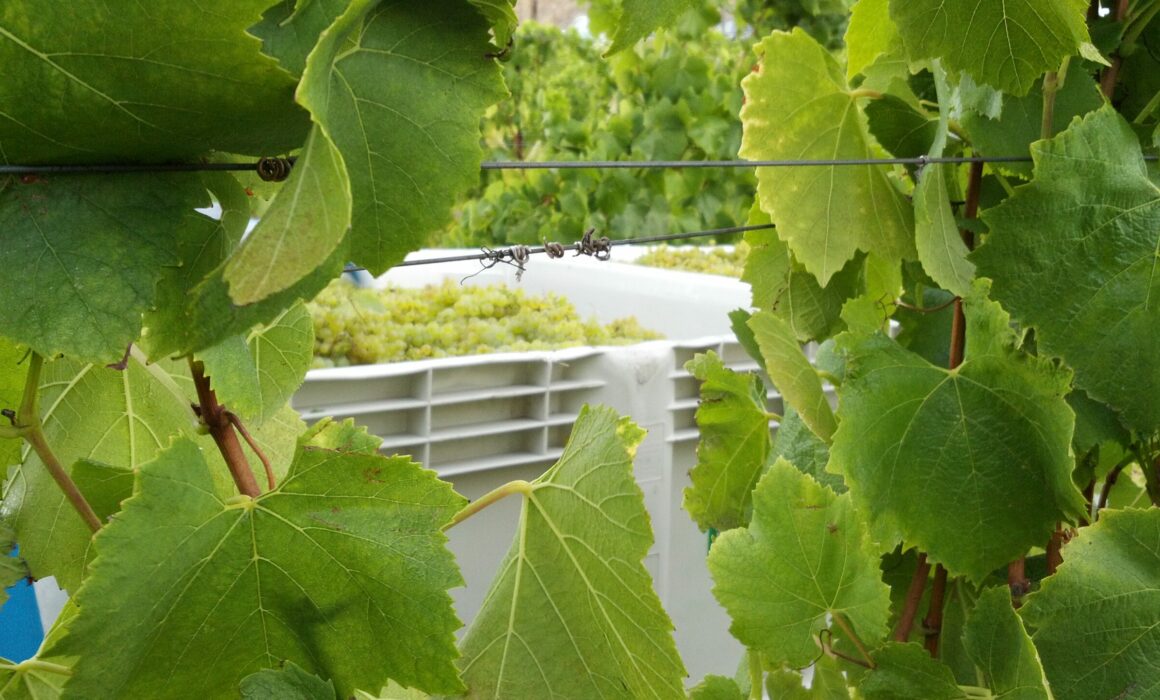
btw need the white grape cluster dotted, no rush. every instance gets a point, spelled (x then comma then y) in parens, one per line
(714, 261)
(367, 326)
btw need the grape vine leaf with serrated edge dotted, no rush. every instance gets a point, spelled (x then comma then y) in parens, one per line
(342, 569)
(1021, 121)
(306, 221)
(792, 374)
(151, 87)
(83, 255)
(254, 377)
(716, 688)
(403, 104)
(572, 612)
(1001, 649)
(733, 447)
(870, 34)
(118, 417)
(502, 16)
(105, 486)
(797, 106)
(798, 445)
(1075, 254)
(342, 436)
(639, 18)
(907, 672)
(932, 456)
(1006, 45)
(1094, 621)
(193, 309)
(781, 285)
(287, 683)
(903, 129)
(941, 248)
(940, 245)
(803, 558)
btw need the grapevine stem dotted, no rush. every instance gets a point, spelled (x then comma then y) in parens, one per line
(1112, 73)
(934, 615)
(848, 630)
(1050, 87)
(216, 418)
(518, 486)
(1017, 580)
(28, 422)
(1109, 482)
(241, 427)
(913, 597)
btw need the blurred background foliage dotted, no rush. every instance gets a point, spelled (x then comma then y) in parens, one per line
(674, 96)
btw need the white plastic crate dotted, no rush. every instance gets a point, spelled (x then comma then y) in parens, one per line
(482, 421)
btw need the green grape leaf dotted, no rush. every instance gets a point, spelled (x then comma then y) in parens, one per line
(639, 18)
(902, 128)
(105, 486)
(716, 688)
(1001, 649)
(502, 16)
(83, 255)
(1006, 45)
(739, 324)
(149, 88)
(342, 436)
(254, 377)
(907, 672)
(305, 223)
(926, 331)
(194, 310)
(781, 285)
(797, 106)
(288, 683)
(122, 418)
(870, 34)
(805, 556)
(290, 30)
(932, 455)
(1074, 255)
(342, 570)
(572, 612)
(402, 103)
(1095, 423)
(940, 246)
(1021, 121)
(792, 373)
(797, 444)
(1094, 621)
(733, 447)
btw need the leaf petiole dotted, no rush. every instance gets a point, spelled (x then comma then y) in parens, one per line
(518, 486)
(28, 423)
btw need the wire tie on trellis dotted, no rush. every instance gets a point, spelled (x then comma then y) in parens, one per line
(274, 169)
(516, 256)
(599, 248)
(554, 250)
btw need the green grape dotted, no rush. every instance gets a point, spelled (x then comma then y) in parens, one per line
(713, 261)
(364, 326)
